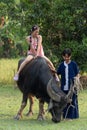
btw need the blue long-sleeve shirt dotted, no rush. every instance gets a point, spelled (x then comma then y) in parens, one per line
(70, 70)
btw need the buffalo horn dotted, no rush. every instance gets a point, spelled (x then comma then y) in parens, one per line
(51, 92)
(70, 93)
(50, 105)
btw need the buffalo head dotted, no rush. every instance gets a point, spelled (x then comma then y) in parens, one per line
(58, 100)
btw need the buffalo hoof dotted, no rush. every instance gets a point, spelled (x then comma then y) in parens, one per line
(40, 118)
(29, 114)
(17, 117)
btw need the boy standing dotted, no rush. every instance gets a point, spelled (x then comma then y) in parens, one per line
(68, 69)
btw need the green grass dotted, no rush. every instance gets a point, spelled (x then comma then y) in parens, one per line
(10, 100)
(8, 68)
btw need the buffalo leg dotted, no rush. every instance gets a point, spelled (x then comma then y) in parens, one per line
(41, 110)
(31, 103)
(23, 104)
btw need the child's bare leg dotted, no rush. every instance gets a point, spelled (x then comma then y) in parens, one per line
(30, 57)
(50, 64)
(24, 63)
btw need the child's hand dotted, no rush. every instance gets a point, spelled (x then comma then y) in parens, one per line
(35, 57)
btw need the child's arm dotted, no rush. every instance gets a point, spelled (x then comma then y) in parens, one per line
(39, 44)
(29, 42)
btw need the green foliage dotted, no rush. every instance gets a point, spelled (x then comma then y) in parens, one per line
(79, 53)
(63, 23)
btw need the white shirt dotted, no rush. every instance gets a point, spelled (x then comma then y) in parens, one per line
(66, 76)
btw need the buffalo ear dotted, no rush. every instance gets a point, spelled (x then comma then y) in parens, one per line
(51, 92)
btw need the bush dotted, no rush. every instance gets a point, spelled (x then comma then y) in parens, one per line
(79, 53)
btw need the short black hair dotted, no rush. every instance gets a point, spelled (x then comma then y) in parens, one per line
(66, 51)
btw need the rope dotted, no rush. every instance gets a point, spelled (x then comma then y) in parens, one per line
(68, 109)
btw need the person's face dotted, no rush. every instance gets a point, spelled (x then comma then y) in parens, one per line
(35, 33)
(67, 58)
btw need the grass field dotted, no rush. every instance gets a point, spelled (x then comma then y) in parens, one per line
(7, 69)
(10, 100)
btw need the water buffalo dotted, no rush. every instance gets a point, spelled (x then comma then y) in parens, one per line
(37, 79)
